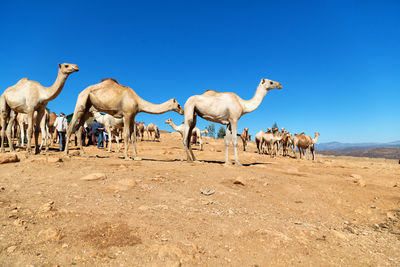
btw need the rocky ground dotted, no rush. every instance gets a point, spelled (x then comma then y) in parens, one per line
(162, 211)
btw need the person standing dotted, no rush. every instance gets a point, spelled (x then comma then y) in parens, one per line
(61, 126)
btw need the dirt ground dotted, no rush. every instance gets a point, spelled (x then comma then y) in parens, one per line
(271, 211)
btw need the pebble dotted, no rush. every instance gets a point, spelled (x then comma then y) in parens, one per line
(11, 249)
(94, 176)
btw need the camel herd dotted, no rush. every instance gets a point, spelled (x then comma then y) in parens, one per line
(273, 141)
(26, 102)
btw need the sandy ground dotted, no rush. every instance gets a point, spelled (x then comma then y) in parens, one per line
(271, 211)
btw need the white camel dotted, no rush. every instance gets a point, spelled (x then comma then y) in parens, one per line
(180, 129)
(112, 125)
(224, 108)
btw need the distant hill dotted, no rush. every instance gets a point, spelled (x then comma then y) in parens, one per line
(346, 147)
(382, 152)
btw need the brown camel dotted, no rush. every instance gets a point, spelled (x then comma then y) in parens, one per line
(27, 97)
(304, 142)
(119, 101)
(245, 137)
(224, 108)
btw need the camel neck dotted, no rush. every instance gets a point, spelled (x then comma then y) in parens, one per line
(252, 104)
(53, 91)
(172, 124)
(315, 140)
(147, 107)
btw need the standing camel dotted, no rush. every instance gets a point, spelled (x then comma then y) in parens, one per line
(304, 142)
(22, 121)
(27, 97)
(141, 129)
(150, 129)
(112, 126)
(245, 137)
(224, 108)
(180, 129)
(119, 101)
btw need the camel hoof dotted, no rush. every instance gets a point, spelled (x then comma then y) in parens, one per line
(137, 158)
(238, 164)
(227, 163)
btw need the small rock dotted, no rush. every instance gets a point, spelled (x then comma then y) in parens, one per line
(373, 207)
(94, 176)
(19, 222)
(339, 235)
(8, 158)
(239, 181)
(46, 207)
(207, 192)
(396, 185)
(390, 215)
(65, 245)
(356, 176)
(360, 182)
(50, 234)
(75, 153)
(11, 249)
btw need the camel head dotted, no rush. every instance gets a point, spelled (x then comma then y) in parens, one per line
(282, 130)
(67, 68)
(176, 107)
(206, 132)
(168, 121)
(246, 129)
(268, 130)
(269, 84)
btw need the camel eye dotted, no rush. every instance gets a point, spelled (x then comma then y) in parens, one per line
(66, 66)
(271, 83)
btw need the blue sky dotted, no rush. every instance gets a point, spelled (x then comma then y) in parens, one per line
(338, 61)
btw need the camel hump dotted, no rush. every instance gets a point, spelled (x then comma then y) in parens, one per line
(210, 92)
(109, 79)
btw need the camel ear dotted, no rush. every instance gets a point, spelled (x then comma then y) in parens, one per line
(174, 100)
(262, 81)
(59, 65)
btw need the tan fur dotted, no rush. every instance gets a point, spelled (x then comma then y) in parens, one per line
(27, 97)
(119, 101)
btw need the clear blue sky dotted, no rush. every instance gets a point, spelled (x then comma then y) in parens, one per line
(338, 61)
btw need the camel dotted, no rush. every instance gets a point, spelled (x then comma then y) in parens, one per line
(224, 108)
(287, 142)
(22, 121)
(304, 142)
(150, 129)
(119, 101)
(205, 132)
(52, 130)
(27, 97)
(271, 141)
(112, 126)
(180, 129)
(245, 137)
(259, 141)
(142, 128)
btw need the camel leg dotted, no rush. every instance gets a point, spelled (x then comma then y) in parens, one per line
(201, 143)
(235, 141)
(190, 123)
(108, 129)
(29, 132)
(127, 125)
(227, 140)
(9, 129)
(22, 133)
(44, 132)
(133, 137)
(78, 115)
(117, 140)
(39, 116)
